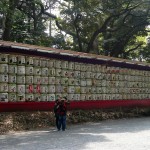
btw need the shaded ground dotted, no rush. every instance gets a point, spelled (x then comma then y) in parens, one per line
(21, 121)
(122, 134)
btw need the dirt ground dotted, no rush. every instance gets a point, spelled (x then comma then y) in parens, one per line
(21, 121)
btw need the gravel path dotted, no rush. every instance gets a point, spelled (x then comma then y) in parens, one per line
(123, 134)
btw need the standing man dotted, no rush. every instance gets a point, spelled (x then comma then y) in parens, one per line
(62, 115)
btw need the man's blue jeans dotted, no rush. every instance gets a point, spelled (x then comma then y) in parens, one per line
(62, 122)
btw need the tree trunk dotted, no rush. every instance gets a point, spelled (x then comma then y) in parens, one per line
(9, 20)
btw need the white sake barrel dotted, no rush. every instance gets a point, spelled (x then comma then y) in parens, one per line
(37, 80)
(77, 89)
(104, 89)
(52, 89)
(37, 71)
(3, 97)
(29, 88)
(71, 74)
(57, 81)
(29, 61)
(123, 96)
(83, 97)
(64, 81)
(29, 97)
(113, 96)
(44, 62)
(71, 97)
(98, 75)
(37, 62)
(71, 65)
(12, 69)
(71, 89)
(89, 97)
(98, 97)
(77, 82)
(3, 68)
(44, 89)
(83, 83)
(51, 80)
(3, 87)
(94, 90)
(89, 82)
(71, 81)
(94, 96)
(44, 97)
(58, 89)
(104, 96)
(93, 68)
(89, 89)
(12, 59)
(94, 75)
(58, 95)
(21, 89)
(21, 80)
(101, 97)
(21, 70)
(64, 64)
(99, 90)
(37, 88)
(45, 80)
(3, 78)
(77, 74)
(44, 72)
(12, 79)
(29, 70)
(83, 75)
(4, 58)
(104, 69)
(21, 97)
(29, 79)
(108, 97)
(88, 67)
(88, 74)
(83, 90)
(58, 72)
(83, 67)
(51, 97)
(52, 63)
(12, 88)
(12, 97)
(98, 68)
(77, 66)
(104, 82)
(99, 83)
(77, 97)
(64, 89)
(37, 97)
(64, 73)
(21, 60)
(52, 72)
(59, 64)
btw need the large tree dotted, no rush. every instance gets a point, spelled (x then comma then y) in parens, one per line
(109, 27)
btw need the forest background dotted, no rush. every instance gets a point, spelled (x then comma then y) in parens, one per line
(117, 28)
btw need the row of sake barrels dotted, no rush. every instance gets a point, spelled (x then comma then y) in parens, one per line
(29, 88)
(65, 81)
(22, 70)
(53, 63)
(4, 78)
(12, 97)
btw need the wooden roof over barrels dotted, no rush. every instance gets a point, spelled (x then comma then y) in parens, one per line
(35, 48)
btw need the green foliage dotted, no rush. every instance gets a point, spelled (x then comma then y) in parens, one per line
(109, 27)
